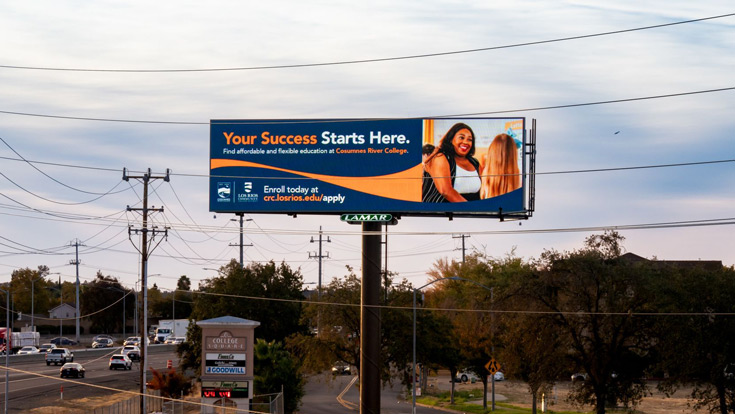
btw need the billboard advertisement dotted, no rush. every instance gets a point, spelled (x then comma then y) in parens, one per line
(457, 166)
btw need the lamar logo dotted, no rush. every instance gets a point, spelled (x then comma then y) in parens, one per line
(247, 187)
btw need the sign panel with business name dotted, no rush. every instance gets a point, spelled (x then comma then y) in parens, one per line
(225, 370)
(224, 360)
(225, 342)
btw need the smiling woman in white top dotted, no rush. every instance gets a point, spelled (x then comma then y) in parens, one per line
(451, 173)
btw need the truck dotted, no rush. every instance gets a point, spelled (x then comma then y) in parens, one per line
(58, 356)
(170, 327)
(18, 340)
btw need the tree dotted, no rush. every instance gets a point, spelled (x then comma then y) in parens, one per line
(23, 283)
(182, 297)
(103, 303)
(268, 293)
(592, 296)
(276, 371)
(698, 347)
(473, 325)
(171, 383)
(335, 318)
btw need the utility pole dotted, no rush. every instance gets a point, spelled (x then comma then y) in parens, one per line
(462, 236)
(241, 240)
(76, 243)
(320, 256)
(385, 268)
(145, 251)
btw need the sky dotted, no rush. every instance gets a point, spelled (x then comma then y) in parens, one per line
(67, 134)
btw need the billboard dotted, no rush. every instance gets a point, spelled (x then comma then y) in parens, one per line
(469, 166)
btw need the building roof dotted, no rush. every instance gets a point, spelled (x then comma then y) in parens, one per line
(689, 264)
(228, 320)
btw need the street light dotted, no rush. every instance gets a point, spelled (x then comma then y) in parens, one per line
(413, 374)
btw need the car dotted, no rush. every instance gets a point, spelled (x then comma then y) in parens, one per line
(103, 336)
(135, 340)
(27, 350)
(62, 341)
(579, 376)
(72, 369)
(469, 376)
(59, 356)
(179, 340)
(341, 368)
(466, 376)
(46, 347)
(120, 361)
(132, 351)
(102, 343)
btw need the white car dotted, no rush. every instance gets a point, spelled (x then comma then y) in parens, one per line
(135, 340)
(132, 352)
(120, 361)
(28, 350)
(468, 376)
(46, 348)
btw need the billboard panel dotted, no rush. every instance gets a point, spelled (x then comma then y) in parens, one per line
(338, 166)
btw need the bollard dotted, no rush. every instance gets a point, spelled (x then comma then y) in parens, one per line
(62, 392)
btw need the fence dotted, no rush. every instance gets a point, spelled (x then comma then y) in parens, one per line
(268, 403)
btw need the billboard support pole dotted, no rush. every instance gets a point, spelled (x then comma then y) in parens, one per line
(370, 319)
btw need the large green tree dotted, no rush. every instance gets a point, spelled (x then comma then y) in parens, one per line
(102, 302)
(268, 293)
(697, 337)
(30, 290)
(592, 297)
(277, 370)
(334, 318)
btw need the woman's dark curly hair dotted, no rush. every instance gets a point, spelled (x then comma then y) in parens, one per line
(446, 142)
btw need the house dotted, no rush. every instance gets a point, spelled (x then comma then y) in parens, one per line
(711, 265)
(63, 311)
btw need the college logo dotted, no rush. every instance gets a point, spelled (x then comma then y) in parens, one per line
(247, 195)
(224, 191)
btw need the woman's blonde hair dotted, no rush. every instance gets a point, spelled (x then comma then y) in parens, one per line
(500, 174)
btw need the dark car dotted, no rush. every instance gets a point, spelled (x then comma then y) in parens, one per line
(72, 369)
(62, 341)
(341, 368)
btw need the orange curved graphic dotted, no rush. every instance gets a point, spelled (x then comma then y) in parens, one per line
(403, 185)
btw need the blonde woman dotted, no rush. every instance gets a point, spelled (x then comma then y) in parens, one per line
(500, 174)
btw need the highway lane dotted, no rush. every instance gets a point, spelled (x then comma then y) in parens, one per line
(33, 384)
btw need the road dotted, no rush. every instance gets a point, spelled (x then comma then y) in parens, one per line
(322, 398)
(33, 384)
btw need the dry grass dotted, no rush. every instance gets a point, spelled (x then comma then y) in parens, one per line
(517, 394)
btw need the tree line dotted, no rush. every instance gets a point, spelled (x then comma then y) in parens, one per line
(628, 324)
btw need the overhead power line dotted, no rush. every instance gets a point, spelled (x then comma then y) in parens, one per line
(539, 108)
(373, 60)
